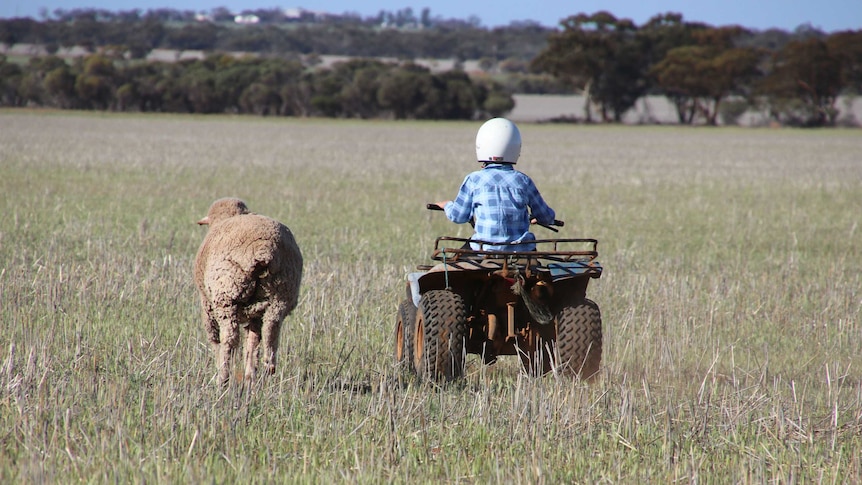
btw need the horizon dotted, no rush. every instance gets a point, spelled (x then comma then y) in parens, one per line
(787, 15)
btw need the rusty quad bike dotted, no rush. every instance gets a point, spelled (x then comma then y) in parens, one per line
(527, 303)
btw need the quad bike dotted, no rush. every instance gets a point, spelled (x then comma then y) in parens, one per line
(491, 302)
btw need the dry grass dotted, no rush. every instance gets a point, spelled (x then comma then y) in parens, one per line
(731, 304)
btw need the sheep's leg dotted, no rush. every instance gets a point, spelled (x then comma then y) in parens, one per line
(252, 352)
(210, 324)
(271, 329)
(229, 336)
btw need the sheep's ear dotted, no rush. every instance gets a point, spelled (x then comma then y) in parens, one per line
(204, 221)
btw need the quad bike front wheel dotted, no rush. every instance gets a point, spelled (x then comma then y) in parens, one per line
(441, 330)
(405, 324)
(579, 339)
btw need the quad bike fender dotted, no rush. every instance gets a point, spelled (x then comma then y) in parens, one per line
(438, 278)
(574, 269)
(413, 287)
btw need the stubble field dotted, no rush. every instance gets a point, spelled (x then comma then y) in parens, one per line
(730, 300)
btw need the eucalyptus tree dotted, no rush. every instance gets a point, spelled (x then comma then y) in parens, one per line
(698, 77)
(601, 56)
(803, 84)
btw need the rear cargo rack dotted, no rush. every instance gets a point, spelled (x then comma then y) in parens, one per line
(549, 254)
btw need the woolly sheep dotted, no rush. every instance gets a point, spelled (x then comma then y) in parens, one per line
(247, 271)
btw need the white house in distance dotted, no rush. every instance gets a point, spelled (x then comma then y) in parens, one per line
(246, 19)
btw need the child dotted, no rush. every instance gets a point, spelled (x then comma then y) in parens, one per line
(499, 199)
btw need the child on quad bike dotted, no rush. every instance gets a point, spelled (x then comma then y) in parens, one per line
(499, 201)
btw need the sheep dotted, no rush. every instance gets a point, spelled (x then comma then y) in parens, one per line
(247, 271)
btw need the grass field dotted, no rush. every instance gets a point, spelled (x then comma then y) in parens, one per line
(730, 300)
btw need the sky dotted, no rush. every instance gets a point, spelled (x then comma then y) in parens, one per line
(826, 15)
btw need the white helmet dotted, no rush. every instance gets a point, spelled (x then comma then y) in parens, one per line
(498, 140)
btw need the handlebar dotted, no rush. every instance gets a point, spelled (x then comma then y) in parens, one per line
(558, 223)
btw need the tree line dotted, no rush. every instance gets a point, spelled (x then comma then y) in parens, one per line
(701, 68)
(222, 83)
(705, 71)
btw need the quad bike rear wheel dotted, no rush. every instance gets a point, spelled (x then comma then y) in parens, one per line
(440, 333)
(579, 339)
(405, 324)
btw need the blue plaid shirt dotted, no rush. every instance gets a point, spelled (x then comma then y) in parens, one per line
(497, 198)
